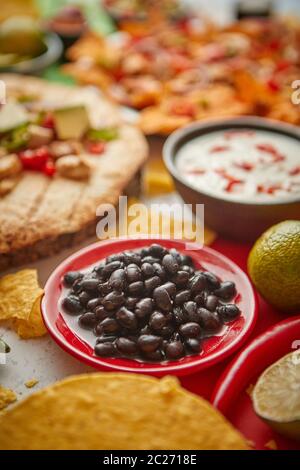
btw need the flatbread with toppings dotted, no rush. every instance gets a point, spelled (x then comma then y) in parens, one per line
(116, 411)
(63, 151)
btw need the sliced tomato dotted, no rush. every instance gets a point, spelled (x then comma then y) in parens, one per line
(96, 148)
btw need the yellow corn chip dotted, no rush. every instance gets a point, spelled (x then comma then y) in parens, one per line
(20, 302)
(271, 445)
(7, 397)
(31, 383)
(33, 326)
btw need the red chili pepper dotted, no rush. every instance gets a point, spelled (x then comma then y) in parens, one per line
(283, 65)
(48, 121)
(96, 148)
(184, 109)
(196, 171)
(232, 181)
(295, 171)
(219, 148)
(271, 150)
(245, 166)
(235, 133)
(49, 168)
(273, 85)
(268, 189)
(35, 159)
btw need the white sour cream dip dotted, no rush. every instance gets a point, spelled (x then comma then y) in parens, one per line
(242, 164)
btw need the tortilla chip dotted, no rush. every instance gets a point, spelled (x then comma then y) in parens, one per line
(31, 383)
(34, 326)
(20, 302)
(271, 445)
(156, 178)
(116, 411)
(7, 397)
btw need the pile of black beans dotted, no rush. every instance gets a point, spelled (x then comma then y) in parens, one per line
(151, 304)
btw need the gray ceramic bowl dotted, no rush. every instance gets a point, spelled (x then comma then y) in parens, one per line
(239, 220)
(38, 64)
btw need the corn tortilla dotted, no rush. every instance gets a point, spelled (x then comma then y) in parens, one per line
(116, 411)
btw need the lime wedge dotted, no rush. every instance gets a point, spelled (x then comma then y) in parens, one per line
(276, 395)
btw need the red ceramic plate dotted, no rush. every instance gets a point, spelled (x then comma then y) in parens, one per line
(232, 393)
(215, 349)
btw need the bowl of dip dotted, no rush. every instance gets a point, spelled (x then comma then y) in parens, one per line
(246, 172)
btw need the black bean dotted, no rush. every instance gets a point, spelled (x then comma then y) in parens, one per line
(159, 271)
(89, 284)
(209, 321)
(126, 318)
(167, 331)
(190, 330)
(72, 304)
(200, 299)
(188, 269)
(162, 299)
(93, 303)
(84, 298)
(181, 278)
(136, 288)
(147, 270)
(115, 257)
(113, 300)
(211, 302)
(131, 302)
(190, 308)
(132, 257)
(226, 290)
(179, 316)
(152, 283)
(106, 339)
(117, 280)
(228, 312)
(101, 313)
(99, 269)
(181, 297)
(111, 267)
(174, 350)
(76, 288)
(71, 277)
(149, 343)
(144, 252)
(126, 346)
(170, 263)
(157, 321)
(105, 349)
(170, 288)
(87, 320)
(176, 255)
(197, 284)
(157, 251)
(186, 259)
(193, 345)
(104, 288)
(155, 356)
(213, 282)
(146, 330)
(109, 325)
(133, 273)
(150, 260)
(144, 307)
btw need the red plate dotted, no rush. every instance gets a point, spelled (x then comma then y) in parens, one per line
(230, 395)
(216, 348)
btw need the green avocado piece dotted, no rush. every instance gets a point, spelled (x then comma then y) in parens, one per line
(71, 122)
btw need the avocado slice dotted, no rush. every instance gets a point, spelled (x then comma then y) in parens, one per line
(12, 116)
(71, 122)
